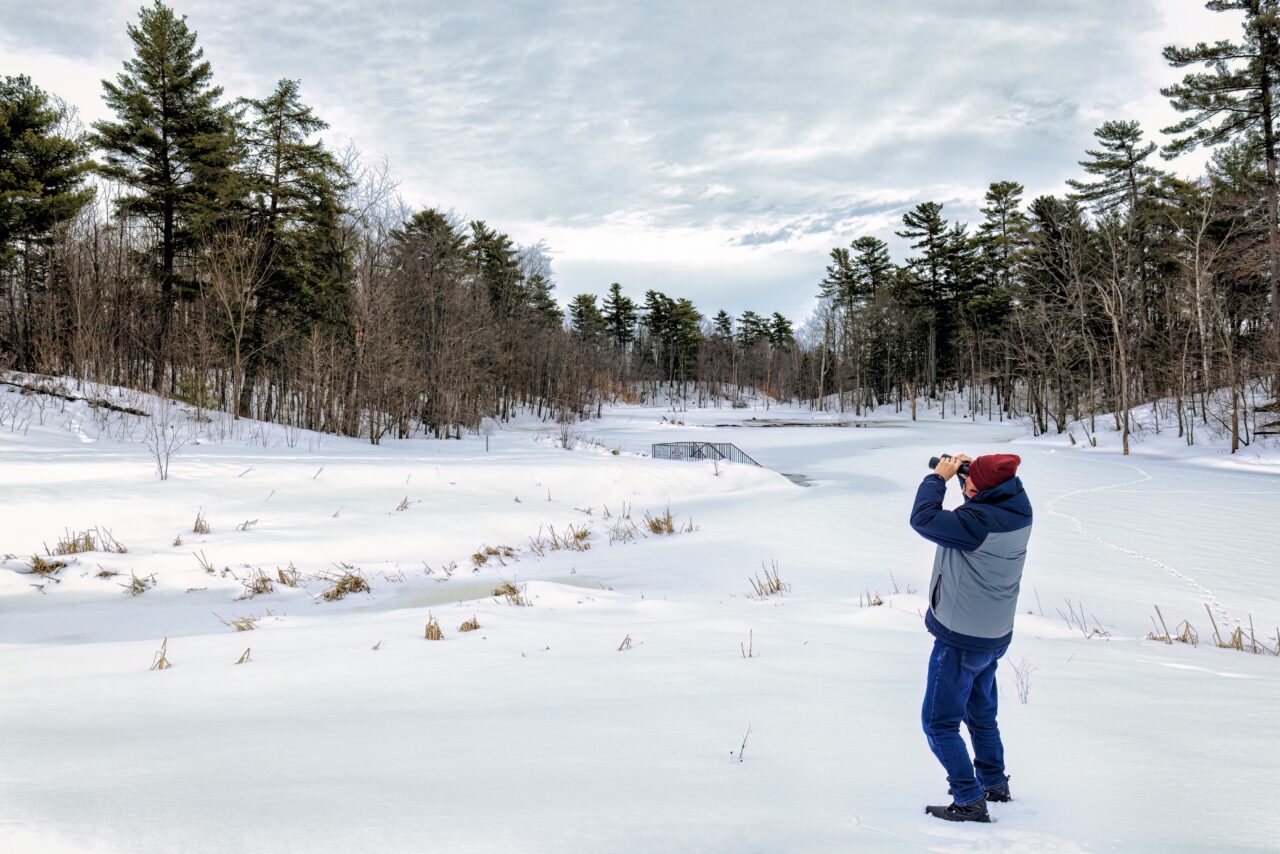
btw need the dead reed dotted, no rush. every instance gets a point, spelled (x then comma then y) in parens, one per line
(91, 540)
(664, 524)
(344, 581)
(160, 661)
(770, 585)
(432, 631)
(290, 577)
(240, 624)
(482, 557)
(255, 585)
(40, 566)
(137, 586)
(513, 594)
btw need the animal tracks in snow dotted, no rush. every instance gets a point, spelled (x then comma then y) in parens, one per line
(1080, 527)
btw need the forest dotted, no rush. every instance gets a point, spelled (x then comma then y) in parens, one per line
(212, 249)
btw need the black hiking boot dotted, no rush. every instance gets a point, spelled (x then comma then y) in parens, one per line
(998, 795)
(955, 812)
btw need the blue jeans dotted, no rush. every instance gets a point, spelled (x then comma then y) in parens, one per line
(962, 687)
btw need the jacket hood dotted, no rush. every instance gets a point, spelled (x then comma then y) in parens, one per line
(1002, 493)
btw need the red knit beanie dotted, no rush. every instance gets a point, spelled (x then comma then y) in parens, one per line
(993, 470)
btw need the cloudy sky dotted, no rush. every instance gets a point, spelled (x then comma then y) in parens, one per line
(714, 150)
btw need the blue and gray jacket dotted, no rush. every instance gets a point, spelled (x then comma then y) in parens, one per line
(982, 546)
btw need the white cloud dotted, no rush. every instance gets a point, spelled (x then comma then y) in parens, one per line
(715, 149)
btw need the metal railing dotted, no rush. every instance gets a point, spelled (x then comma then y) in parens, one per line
(686, 451)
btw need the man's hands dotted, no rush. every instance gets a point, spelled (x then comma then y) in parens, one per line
(949, 465)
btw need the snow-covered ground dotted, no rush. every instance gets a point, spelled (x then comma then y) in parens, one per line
(348, 731)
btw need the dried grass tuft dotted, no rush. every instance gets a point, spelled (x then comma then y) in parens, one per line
(138, 586)
(664, 524)
(868, 599)
(771, 584)
(244, 656)
(161, 659)
(40, 566)
(513, 594)
(481, 557)
(201, 525)
(255, 585)
(470, 625)
(432, 631)
(574, 539)
(290, 577)
(343, 582)
(91, 540)
(241, 624)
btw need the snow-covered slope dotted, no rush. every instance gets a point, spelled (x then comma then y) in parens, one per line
(346, 730)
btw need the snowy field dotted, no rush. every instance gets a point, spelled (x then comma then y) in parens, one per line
(346, 730)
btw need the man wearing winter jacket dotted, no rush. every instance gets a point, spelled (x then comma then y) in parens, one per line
(973, 594)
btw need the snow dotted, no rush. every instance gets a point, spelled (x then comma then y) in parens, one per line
(535, 732)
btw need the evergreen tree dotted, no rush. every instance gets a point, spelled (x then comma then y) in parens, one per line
(925, 227)
(752, 329)
(542, 305)
(42, 173)
(294, 185)
(1125, 179)
(685, 334)
(1002, 235)
(1235, 100)
(926, 278)
(840, 285)
(585, 316)
(497, 267)
(780, 333)
(722, 325)
(872, 267)
(620, 314)
(433, 239)
(172, 142)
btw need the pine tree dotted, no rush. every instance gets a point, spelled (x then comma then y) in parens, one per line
(752, 329)
(541, 303)
(497, 267)
(685, 331)
(840, 285)
(929, 232)
(620, 314)
(294, 185)
(780, 333)
(1002, 235)
(872, 267)
(723, 325)
(42, 173)
(172, 142)
(585, 317)
(1125, 178)
(1234, 100)
(433, 239)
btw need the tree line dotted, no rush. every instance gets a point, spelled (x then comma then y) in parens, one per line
(1135, 286)
(215, 251)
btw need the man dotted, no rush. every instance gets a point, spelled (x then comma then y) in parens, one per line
(973, 595)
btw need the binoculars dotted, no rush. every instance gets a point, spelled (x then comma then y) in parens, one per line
(964, 467)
